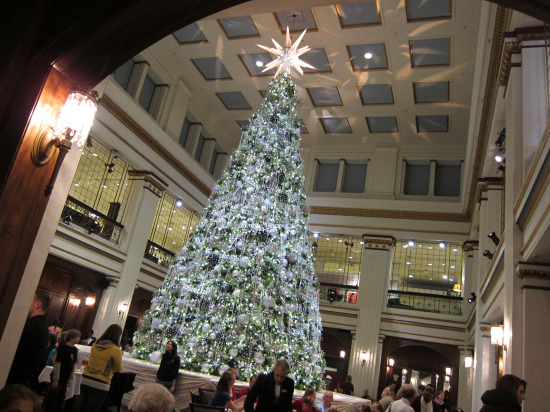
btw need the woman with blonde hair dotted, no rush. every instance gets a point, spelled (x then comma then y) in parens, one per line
(151, 397)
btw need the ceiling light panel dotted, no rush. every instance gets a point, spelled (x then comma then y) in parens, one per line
(233, 100)
(382, 124)
(430, 52)
(211, 68)
(432, 123)
(325, 96)
(428, 9)
(376, 94)
(190, 34)
(239, 27)
(363, 13)
(379, 59)
(336, 125)
(252, 63)
(431, 92)
(296, 20)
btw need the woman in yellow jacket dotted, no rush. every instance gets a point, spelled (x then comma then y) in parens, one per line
(105, 360)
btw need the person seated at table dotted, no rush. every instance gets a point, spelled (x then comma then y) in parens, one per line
(222, 395)
(63, 370)
(151, 397)
(300, 404)
(169, 367)
(89, 339)
(105, 360)
(18, 398)
(243, 392)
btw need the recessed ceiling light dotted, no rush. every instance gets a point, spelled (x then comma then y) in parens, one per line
(445, 276)
(411, 276)
(408, 263)
(430, 264)
(259, 63)
(442, 245)
(368, 55)
(411, 243)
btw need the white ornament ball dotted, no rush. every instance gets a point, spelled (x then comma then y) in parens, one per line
(242, 319)
(156, 356)
(245, 261)
(317, 369)
(206, 327)
(223, 368)
(233, 352)
(205, 367)
(155, 323)
(259, 357)
(263, 208)
(236, 293)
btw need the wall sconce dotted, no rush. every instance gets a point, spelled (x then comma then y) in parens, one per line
(111, 167)
(488, 254)
(468, 361)
(90, 301)
(122, 309)
(472, 298)
(342, 354)
(497, 335)
(74, 302)
(493, 236)
(405, 371)
(501, 138)
(448, 371)
(457, 288)
(391, 362)
(364, 357)
(73, 126)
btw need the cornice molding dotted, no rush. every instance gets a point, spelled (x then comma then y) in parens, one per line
(470, 245)
(140, 132)
(378, 241)
(390, 214)
(489, 99)
(511, 47)
(155, 184)
(533, 271)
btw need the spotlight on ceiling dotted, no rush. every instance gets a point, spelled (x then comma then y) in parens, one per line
(493, 236)
(179, 203)
(472, 298)
(111, 167)
(501, 137)
(89, 141)
(488, 254)
(368, 55)
(501, 168)
(499, 158)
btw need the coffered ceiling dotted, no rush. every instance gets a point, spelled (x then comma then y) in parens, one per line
(392, 72)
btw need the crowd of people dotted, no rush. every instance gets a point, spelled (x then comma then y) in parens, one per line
(271, 392)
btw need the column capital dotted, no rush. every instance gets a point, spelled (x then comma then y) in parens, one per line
(112, 281)
(470, 245)
(378, 242)
(533, 270)
(488, 183)
(153, 182)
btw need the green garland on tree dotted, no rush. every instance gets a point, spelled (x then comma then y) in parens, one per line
(243, 291)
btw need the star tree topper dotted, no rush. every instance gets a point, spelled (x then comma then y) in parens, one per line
(287, 57)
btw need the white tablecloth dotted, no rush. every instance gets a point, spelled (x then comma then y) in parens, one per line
(74, 386)
(146, 372)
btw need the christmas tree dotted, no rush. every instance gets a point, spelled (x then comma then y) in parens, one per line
(243, 291)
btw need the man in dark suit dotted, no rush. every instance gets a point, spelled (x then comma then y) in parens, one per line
(274, 391)
(425, 402)
(29, 357)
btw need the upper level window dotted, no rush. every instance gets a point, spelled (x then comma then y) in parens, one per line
(417, 180)
(123, 73)
(184, 133)
(354, 178)
(327, 177)
(213, 162)
(147, 93)
(200, 146)
(447, 180)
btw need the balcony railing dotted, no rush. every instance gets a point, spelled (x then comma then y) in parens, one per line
(338, 293)
(158, 254)
(425, 302)
(80, 214)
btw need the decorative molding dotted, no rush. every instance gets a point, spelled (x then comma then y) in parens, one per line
(140, 132)
(533, 271)
(470, 245)
(390, 214)
(485, 328)
(378, 242)
(112, 281)
(488, 183)
(153, 183)
(511, 47)
(423, 325)
(501, 21)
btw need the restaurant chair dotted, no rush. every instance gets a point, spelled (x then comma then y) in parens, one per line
(196, 407)
(206, 395)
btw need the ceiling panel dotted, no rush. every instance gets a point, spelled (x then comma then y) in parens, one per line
(324, 96)
(376, 94)
(431, 92)
(233, 100)
(190, 34)
(368, 56)
(239, 27)
(432, 123)
(296, 20)
(211, 68)
(382, 124)
(255, 64)
(359, 14)
(428, 9)
(336, 125)
(430, 52)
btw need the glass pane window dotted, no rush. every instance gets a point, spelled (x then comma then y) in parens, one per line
(354, 178)
(417, 180)
(184, 133)
(427, 267)
(327, 177)
(123, 73)
(147, 92)
(447, 180)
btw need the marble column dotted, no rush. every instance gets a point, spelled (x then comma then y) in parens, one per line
(144, 196)
(373, 286)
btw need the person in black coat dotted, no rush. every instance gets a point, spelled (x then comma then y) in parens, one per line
(428, 397)
(27, 362)
(169, 368)
(507, 396)
(273, 390)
